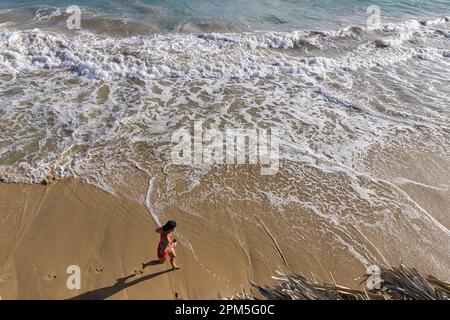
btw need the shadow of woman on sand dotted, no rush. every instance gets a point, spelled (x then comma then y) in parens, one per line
(121, 284)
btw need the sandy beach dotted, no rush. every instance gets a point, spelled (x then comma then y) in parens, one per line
(45, 229)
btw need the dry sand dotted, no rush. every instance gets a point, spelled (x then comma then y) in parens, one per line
(45, 229)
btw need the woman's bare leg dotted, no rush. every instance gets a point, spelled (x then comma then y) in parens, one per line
(172, 260)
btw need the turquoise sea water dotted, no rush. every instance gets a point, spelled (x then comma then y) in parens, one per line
(250, 14)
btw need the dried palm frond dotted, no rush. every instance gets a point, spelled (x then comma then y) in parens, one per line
(396, 283)
(401, 283)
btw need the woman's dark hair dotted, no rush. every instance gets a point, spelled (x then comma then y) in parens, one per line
(171, 224)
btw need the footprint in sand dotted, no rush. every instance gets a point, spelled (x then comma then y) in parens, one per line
(96, 266)
(98, 270)
(50, 277)
(5, 278)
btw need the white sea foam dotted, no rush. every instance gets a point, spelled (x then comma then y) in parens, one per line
(198, 56)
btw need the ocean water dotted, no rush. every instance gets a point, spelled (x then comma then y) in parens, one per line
(364, 110)
(249, 15)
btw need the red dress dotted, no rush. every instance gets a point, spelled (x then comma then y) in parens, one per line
(165, 238)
